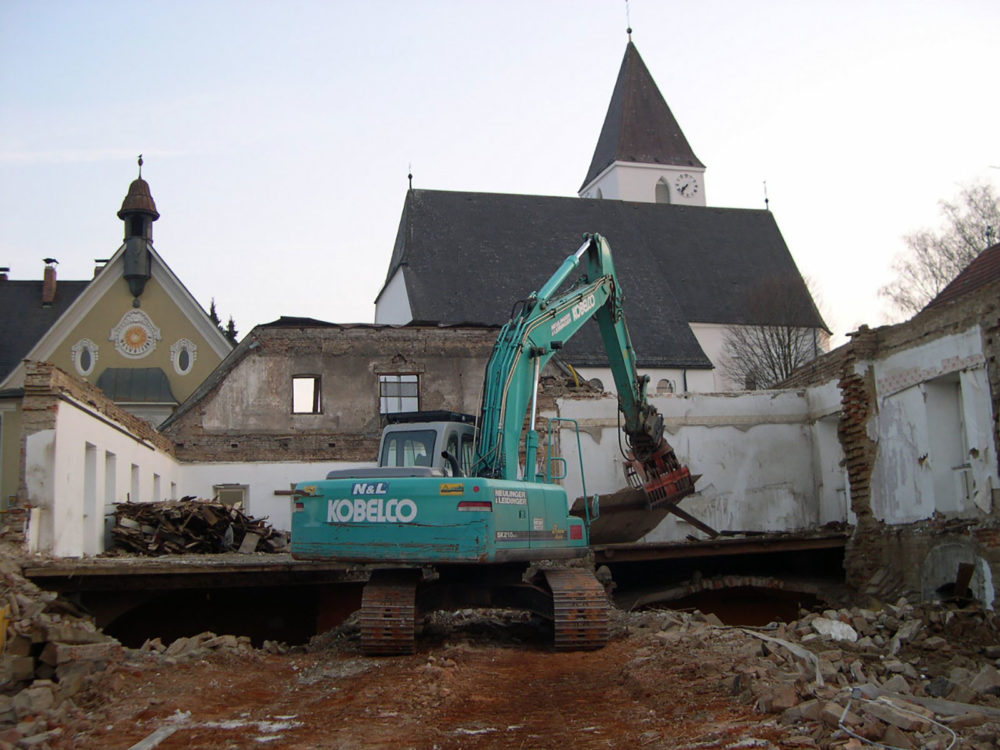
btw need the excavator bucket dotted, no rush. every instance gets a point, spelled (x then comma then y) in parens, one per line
(657, 485)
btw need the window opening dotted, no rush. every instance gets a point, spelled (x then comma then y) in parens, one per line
(232, 495)
(306, 394)
(398, 393)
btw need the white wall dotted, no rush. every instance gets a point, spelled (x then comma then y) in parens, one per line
(762, 466)
(933, 430)
(78, 471)
(70, 472)
(262, 479)
(635, 181)
(393, 305)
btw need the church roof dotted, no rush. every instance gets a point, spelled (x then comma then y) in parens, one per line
(27, 318)
(639, 126)
(984, 269)
(467, 257)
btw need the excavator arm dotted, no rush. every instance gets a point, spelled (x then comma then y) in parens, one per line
(538, 328)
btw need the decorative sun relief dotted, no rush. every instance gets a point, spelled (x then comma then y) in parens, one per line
(135, 336)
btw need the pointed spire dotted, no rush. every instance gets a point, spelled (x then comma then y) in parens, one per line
(639, 126)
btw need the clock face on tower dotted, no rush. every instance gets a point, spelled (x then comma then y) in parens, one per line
(686, 185)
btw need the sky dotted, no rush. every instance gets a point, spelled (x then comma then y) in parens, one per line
(277, 137)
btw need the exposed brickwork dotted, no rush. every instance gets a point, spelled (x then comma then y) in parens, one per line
(242, 446)
(858, 405)
(45, 384)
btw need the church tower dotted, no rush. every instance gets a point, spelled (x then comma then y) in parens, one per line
(642, 154)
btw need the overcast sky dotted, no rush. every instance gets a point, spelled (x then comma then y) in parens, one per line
(277, 136)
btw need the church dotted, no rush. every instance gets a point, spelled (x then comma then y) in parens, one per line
(133, 330)
(691, 272)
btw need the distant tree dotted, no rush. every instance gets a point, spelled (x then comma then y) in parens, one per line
(231, 331)
(759, 356)
(934, 257)
(213, 315)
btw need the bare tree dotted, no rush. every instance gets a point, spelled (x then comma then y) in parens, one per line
(759, 356)
(934, 257)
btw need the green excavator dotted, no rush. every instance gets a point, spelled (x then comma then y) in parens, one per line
(460, 511)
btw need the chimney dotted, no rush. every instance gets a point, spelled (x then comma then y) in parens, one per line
(49, 282)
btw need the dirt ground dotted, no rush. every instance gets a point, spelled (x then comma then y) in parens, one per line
(462, 689)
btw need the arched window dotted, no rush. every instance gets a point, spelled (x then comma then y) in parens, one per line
(664, 386)
(662, 191)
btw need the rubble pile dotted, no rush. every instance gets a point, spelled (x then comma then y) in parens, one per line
(905, 676)
(192, 526)
(50, 653)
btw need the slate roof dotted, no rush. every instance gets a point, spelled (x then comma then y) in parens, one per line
(639, 126)
(136, 385)
(25, 320)
(467, 257)
(983, 270)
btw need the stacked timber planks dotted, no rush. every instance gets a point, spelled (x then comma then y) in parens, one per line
(184, 526)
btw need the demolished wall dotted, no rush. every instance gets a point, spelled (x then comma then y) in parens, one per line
(768, 459)
(244, 411)
(919, 430)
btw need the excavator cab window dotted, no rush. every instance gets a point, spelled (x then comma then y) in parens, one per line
(410, 448)
(453, 450)
(468, 456)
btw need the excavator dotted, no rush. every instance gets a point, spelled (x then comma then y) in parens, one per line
(461, 512)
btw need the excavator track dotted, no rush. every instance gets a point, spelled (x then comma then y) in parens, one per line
(580, 608)
(388, 612)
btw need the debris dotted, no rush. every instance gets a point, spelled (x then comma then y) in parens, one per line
(191, 526)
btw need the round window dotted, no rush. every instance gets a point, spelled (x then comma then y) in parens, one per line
(86, 360)
(184, 360)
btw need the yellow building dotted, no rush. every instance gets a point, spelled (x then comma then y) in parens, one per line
(134, 331)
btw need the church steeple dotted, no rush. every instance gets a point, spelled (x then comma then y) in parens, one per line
(642, 154)
(138, 211)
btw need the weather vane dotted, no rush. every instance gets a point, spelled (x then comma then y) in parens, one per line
(140, 166)
(409, 176)
(628, 22)
(767, 203)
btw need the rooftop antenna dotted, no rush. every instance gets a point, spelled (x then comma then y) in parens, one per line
(140, 166)
(767, 203)
(628, 22)
(409, 176)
